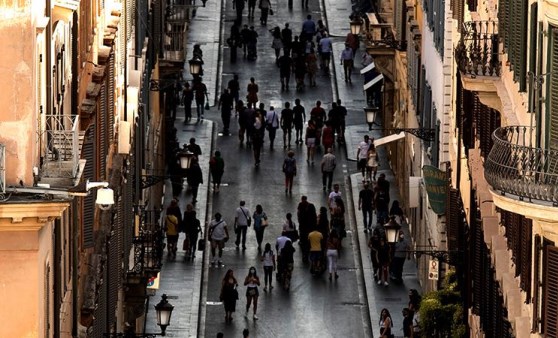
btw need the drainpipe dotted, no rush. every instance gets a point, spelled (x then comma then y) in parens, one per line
(75, 226)
(48, 58)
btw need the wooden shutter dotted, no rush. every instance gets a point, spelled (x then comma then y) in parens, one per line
(102, 131)
(110, 101)
(534, 32)
(536, 284)
(503, 21)
(477, 244)
(550, 294)
(526, 255)
(453, 219)
(458, 10)
(552, 95)
(88, 153)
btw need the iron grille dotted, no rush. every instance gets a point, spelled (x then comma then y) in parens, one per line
(148, 245)
(59, 141)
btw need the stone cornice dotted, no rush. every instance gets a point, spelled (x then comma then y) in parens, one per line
(36, 214)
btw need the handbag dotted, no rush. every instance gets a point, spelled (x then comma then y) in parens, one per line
(270, 11)
(264, 222)
(207, 106)
(201, 244)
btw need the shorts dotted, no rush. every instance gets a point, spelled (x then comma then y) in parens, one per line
(361, 164)
(218, 243)
(311, 142)
(315, 255)
(252, 292)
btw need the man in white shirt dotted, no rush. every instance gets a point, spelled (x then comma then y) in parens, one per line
(242, 221)
(272, 123)
(218, 234)
(332, 195)
(280, 244)
(325, 50)
(362, 154)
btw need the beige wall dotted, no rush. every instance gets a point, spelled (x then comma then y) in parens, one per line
(17, 91)
(19, 290)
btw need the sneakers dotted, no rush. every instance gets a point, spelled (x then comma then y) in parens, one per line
(265, 289)
(219, 263)
(379, 282)
(255, 317)
(386, 284)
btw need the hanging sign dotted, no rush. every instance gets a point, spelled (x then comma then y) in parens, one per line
(436, 187)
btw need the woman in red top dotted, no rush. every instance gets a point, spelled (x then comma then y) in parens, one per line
(252, 96)
(328, 136)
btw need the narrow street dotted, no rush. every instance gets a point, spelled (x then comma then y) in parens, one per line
(314, 306)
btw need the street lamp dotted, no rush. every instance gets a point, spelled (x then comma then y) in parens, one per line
(392, 230)
(195, 66)
(356, 25)
(370, 113)
(185, 158)
(164, 312)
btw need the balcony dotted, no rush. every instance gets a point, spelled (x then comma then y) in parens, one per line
(60, 143)
(477, 52)
(177, 19)
(517, 170)
(148, 246)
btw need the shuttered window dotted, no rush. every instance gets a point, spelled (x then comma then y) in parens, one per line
(435, 12)
(88, 153)
(413, 63)
(453, 220)
(550, 292)
(512, 26)
(426, 114)
(552, 97)
(536, 282)
(458, 9)
(422, 81)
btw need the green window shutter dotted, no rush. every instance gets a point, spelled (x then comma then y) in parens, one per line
(552, 96)
(550, 307)
(533, 31)
(88, 153)
(521, 66)
(458, 8)
(503, 21)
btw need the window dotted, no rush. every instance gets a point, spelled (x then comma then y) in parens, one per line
(435, 17)
(552, 96)
(550, 292)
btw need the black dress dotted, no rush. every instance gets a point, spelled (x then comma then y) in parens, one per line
(229, 295)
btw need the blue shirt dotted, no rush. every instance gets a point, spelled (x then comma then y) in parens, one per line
(309, 27)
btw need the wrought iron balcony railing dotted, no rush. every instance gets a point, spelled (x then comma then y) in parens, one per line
(477, 53)
(148, 245)
(515, 167)
(60, 146)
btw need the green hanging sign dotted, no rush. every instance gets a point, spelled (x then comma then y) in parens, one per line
(435, 181)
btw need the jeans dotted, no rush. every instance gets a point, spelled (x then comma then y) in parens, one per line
(327, 178)
(242, 233)
(332, 256)
(268, 275)
(200, 106)
(367, 218)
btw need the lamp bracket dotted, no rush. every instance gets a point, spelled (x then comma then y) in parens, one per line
(422, 133)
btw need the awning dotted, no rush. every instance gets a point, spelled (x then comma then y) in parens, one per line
(376, 79)
(368, 68)
(388, 139)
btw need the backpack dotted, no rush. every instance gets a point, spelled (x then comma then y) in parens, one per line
(289, 166)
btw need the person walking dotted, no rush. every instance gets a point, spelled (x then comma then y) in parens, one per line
(245, 34)
(277, 43)
(187, 98)
(285, 64)
(374, 246)
(397, 212)
(269, 265)
(200, 94)
(257, 136)
(171, 230)
(280, 243)
(307, 221)
(362, 155)
(312, 67)
(308, 28)
(372, 163)
(251, 8)
(315, 238)
(333, 244)
(229, 294)
(342, 115)
(234, 40)
(260, 223)
(386, 324)
(338, 218)
(346, 58)
(328, 165)
(318, 115)
(289, 228)
(242, 220)
(402, 250)
(299, 70)
(328, 136)
(407, 323)
(226, 104)
(252, 282)
(287, 38)
(310, 141)
(193, 147)
(253, 89)
(384, 260)
(192, 227)
(272, 124)
(299, 118)
(381, 204)
(289, 169)
(286, 121)
(218, 235)
(325, 48)
(194, 178)
(239, 6)
(234, 88)
(252, 44)
(217, 168)
(366, 205)
(333, 195)
(286, 262)
(265, 7)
